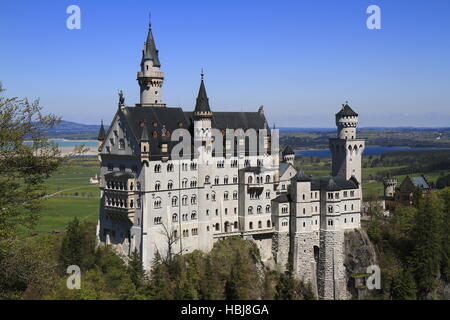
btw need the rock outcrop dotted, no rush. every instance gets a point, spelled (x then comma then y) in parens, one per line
(359, 254)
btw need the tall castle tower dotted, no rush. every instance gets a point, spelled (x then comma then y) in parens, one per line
(346, 149)
(203, 145)
(150, 78)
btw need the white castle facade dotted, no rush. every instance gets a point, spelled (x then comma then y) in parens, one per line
(154, 202)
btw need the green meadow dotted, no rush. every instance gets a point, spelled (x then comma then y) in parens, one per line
(69, 195)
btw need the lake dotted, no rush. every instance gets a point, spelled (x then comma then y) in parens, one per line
(368, 151)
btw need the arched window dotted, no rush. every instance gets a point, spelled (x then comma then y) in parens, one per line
(259, 224)
(158, 203)
(259, 209)
(174, 217)
(225, 180)
(193, 215)
(157, 168)
(267, 194)
(217, 227)
(170, 185)
(250, 225)
(235, 195)
(157, 185)
(184, 200)
(250, 180)
(184, 183)
(207, 179)
(235, 179)
(267, 179)
(193, 199)
(268, 223)
(236, 225)
(284, 209)
(213, 196)
(225, 195)
(216, 180)
(250, 210)
(268, 209)
(174, 201)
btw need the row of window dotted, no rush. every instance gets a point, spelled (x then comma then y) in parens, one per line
(122, 203)
(170, 167)
(122, 167)
(335, 195)
(258, 209)
(120, 185)
(259, 179)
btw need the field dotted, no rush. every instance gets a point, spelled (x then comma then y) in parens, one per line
(70, 195)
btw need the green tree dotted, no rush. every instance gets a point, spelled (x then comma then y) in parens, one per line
(78, 245)
(403, 287)
(23, 166)
(426, 236)
(135, 269)
(286, 284)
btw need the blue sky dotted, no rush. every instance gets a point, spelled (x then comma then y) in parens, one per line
(300, 59)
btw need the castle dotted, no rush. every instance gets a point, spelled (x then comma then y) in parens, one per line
(156, 199)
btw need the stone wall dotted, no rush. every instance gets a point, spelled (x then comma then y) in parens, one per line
(331, 273)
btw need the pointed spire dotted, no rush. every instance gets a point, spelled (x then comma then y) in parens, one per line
(101, 133)
(202, 105)
(150, 52)
(144, 135)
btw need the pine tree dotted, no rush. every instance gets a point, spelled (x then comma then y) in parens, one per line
(135, 269)
(403, 287)
(427, 241)
(71, 246)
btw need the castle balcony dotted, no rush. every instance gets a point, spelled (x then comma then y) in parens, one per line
(258, 231)
(226, 234)
(151, 74)
(120, 213)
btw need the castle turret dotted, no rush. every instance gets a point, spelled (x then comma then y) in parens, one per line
(389, 187)
(101, 135)
(346, 149)
(202, 118)
(150, 78)
(288, 155)
(145, 144)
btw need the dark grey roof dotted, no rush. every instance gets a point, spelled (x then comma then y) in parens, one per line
(119, 175)
(282, 198)
(332, 184)
(160, 119)
(302, 176)
(346, 111)
(101, 133)
(287, 151)
(202, 104)
(150, 52)
(420, 182)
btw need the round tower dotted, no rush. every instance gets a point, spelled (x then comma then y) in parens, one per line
(346, 122)
(389, 187)
(150, 78)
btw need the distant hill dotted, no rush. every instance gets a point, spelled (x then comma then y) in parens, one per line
(72, 130)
